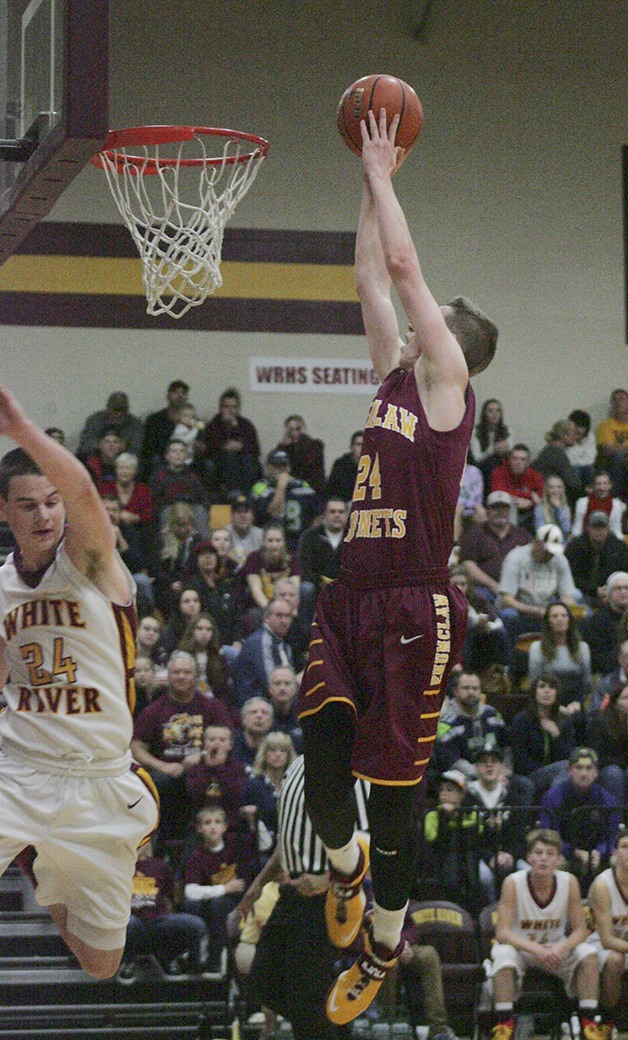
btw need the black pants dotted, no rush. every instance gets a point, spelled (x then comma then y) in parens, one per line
(330, 801)
(292, 971)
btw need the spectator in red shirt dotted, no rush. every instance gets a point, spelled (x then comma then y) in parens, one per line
(523, 483)
(135, 499)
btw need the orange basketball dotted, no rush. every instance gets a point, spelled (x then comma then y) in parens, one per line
(377, 92)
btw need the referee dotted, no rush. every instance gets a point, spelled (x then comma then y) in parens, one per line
(293, 966)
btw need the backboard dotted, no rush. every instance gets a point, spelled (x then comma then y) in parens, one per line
(53, 104)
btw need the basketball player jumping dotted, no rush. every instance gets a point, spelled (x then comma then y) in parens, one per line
(388, 632)
(67, 788)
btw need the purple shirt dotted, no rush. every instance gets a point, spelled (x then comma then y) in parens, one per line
(401, 523)
(172, 731)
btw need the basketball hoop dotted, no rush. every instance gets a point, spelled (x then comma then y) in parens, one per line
(177, 225)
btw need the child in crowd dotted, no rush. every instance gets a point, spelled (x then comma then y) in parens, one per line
(218, 779)
(187, 430)
(216, 875)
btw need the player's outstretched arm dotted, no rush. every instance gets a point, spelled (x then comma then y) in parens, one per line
(373, 286)
(440, 350)
(90, 539)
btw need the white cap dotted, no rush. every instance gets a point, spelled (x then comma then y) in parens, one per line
(552, 538)
(499, 498)
(614, 578)
(456, 777)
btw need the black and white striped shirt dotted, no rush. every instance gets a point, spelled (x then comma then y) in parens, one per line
(301, 850)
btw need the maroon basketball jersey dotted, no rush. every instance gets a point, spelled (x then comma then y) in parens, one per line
(401, 524)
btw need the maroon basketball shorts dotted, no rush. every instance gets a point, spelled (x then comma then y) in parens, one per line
(386, 653)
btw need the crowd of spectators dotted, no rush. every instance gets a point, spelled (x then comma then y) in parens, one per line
(229, 549)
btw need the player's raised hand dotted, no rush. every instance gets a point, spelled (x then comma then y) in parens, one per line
(380, 154)
(11, 415)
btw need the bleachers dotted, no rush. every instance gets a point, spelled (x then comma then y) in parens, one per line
(44, 994)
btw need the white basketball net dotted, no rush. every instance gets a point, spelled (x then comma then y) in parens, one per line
(179, 241)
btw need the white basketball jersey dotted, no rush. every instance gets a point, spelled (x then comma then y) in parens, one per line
(71, 654)
(542, 924)
(619, 906)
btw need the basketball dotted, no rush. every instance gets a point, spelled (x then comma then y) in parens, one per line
(377, 92)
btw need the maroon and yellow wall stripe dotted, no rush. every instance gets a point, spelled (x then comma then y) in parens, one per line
(89, 275)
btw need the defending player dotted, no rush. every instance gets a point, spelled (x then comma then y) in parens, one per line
(541, 924)
(608, 899)
(67, 650)
(387, 633)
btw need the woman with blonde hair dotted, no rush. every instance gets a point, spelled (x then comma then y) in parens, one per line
(554, 461)
(261, 791)
(554, 507)
(177, 539)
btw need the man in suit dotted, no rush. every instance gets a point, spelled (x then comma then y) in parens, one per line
(263, 651)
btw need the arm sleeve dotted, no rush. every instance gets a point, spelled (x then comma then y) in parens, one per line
(199, 892)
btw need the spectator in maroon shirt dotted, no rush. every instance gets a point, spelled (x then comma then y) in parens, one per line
(483, 547)
(101, 463)
(306, 454)
(232, 446)
(153, 927)
(218, 779)
(524, 484)
(174, 481)
(168, 736)
(216, 876)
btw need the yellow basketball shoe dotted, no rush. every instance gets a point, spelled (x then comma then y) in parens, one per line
(354, 990)
(345, 902)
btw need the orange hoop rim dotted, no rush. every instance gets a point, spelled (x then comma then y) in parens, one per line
(156, 135)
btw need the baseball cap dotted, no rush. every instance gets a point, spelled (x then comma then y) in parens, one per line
(277, 458)
(552, 538)
(598, 519)
(204, 546)
(490, 748)
(239, 501)
(499, 498)
(456, 777)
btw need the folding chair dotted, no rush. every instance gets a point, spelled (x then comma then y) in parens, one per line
(452, 931)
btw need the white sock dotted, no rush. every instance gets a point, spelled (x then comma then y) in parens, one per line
(387, 925)
(345, 860)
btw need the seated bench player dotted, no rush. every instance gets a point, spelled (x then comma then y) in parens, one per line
(536, 911)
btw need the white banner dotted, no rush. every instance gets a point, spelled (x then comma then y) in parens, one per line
(312, 375)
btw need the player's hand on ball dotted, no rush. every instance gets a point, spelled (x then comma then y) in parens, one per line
(379, 152)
